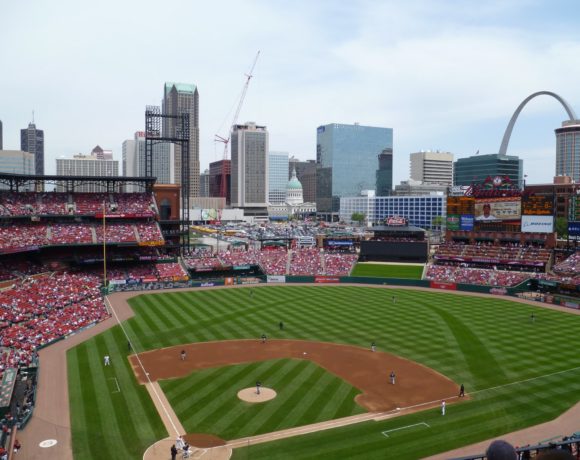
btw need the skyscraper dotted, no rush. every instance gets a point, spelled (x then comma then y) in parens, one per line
(249, 144)
(432, 167)
(346, 157)
(277, 177)
(133, 160)
(477, 168)
(204, 184)
(385, 173)
(179, 98)
(86, 165)
(32, 141)
(216, 174)
(568, 150)
(17, 162)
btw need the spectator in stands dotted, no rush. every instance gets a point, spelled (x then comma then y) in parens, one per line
(501, 450)
(555, 454)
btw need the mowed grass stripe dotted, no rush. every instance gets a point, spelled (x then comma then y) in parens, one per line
(410, 328)
(221, 405)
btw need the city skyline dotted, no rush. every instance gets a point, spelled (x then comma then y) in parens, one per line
(444, 77)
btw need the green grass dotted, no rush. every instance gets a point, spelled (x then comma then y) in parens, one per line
(488, 344)
(206, 401)
(388, 271)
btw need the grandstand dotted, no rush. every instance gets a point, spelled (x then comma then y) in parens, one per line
(57, 250)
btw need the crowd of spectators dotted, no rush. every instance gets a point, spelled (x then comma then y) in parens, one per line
(339, 264)
(274, 261)
(148, 231)
(133, 203)
(17, 236)
(240, 257)
(36, 311)
(458, 274)
(22, 236)
(57, 203)
(513, 253)
(569, 266)
(71, 234)
(305, 262)
(117, 232)
(163, 271)
(203, 260)
(170, 272)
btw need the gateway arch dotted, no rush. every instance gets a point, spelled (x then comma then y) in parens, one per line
(508, 132)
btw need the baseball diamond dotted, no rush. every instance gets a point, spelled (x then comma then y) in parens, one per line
(515, 373)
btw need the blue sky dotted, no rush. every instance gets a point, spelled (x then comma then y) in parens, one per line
(444, 75)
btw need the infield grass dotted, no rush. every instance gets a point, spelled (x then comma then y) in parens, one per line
(388, 270)
(206, 401)
(517, 372)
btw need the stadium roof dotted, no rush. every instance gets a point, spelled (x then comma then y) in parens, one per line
(48, 178)
(396, 228)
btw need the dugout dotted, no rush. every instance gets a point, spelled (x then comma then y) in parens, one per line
(396, 244)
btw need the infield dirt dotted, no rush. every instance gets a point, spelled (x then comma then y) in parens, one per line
(366, 370)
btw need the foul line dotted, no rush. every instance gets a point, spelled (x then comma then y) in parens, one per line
(144, 371)
(525, 380)
(384, 433)
(116, 383)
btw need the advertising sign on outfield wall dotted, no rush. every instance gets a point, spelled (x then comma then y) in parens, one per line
(574, 228)
(537, 224)
(442, 285)
(276, 279)
(326, 279)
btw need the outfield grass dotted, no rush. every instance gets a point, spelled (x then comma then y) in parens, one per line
(388, 271)
(488, 344)
(206, 401)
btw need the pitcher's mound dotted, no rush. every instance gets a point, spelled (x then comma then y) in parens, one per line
(250, 395)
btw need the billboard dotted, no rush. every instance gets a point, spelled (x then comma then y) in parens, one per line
(497, 209)
(537, 224)
(452, 221)
(574, 228)
(466, 222)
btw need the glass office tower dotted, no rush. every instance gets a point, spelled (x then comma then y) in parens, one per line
(346, 157)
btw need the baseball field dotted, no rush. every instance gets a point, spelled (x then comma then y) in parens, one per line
(517, 372)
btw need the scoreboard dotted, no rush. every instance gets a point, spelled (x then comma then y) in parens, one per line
(537, 205)
(460, 205)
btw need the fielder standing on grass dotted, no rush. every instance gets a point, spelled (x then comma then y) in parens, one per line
(442, 407)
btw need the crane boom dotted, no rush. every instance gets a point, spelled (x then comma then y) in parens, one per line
(226, 140)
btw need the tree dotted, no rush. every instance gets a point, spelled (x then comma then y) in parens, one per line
(358, 217)
(562, 227)
(437, 222)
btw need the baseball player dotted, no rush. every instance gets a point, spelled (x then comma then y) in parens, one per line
(258, 385)
(264, 338)
(462, 391)
(442, 407)
(373, 346)
(392, 376)
(107, 360)
(183, 355)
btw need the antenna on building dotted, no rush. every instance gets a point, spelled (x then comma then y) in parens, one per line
(33, 117)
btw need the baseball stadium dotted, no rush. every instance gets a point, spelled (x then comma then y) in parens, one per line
(126, 334)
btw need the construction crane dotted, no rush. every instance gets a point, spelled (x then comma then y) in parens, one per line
(226, 140)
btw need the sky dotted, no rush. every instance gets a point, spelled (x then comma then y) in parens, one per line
(444, 75)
